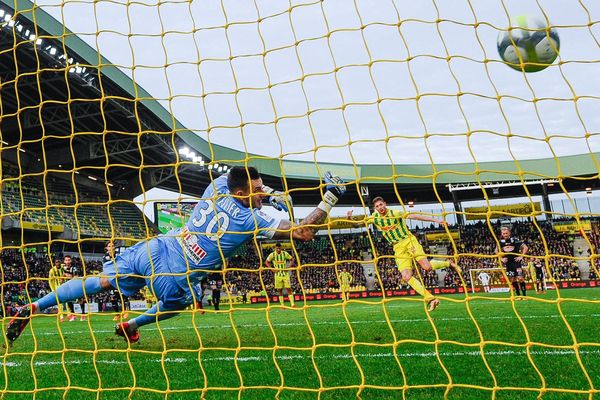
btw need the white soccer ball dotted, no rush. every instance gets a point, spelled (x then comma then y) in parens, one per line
(529, 46)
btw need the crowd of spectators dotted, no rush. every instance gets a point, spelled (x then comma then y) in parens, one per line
(478, 240)
(318, 269)
(319, 262)
(476, 249)
(25, 278)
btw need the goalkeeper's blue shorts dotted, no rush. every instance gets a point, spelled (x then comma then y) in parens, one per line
(145, 264)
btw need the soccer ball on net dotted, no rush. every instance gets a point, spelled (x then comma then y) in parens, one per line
(530, 45)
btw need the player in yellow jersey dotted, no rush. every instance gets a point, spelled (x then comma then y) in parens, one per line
(407, 248)
(345, 281)
(69, 271)
(120, 303)
(280, 259)
(55, 279)
(149, 297)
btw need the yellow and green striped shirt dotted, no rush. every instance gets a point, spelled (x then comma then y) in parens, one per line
(280, 261)
(346, 278)
(147, 292)
(54, 276)
(392, 225)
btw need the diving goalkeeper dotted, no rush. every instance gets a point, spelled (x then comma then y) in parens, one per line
(228, 215)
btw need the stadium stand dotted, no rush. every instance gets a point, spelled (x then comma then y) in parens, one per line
(25, 279)
(318, 274)
(316, 271)
(89, 214)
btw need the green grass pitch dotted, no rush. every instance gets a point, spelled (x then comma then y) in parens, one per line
(366, 350)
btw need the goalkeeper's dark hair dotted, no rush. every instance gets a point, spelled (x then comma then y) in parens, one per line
(240, 177)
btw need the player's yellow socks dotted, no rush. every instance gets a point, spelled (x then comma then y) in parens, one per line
(291, 296)
(439, 264)
(281, 299)
(419, 288)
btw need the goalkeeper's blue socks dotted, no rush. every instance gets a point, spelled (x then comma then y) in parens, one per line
(69, 291)
(157, 313)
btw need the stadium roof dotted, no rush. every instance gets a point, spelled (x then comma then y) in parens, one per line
(118, 127)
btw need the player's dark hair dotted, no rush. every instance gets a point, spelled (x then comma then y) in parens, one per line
(240, 177)
(67, 256)
(376, 199)
(278, 245)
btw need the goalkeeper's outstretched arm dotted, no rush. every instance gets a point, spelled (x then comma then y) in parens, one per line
(307, 229)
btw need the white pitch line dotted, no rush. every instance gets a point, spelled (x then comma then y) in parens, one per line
(178, 360)
(357, 322)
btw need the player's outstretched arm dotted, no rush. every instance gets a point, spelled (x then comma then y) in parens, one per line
(365, 220)
(421, 217)
(307, 229)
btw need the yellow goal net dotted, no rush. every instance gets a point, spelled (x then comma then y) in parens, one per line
(116, 116)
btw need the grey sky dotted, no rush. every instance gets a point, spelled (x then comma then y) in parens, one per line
(368, 124)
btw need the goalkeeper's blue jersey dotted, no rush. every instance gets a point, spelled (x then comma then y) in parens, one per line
(218, 225)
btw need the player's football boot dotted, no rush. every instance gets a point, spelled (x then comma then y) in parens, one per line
(131, 336)
(433, 304)
(18, 323)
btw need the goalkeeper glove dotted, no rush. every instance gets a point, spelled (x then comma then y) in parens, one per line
(335, 189)
(279, 200)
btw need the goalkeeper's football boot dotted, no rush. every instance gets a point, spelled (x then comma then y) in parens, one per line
(131, 335)
(433, 304)
(16, 325)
